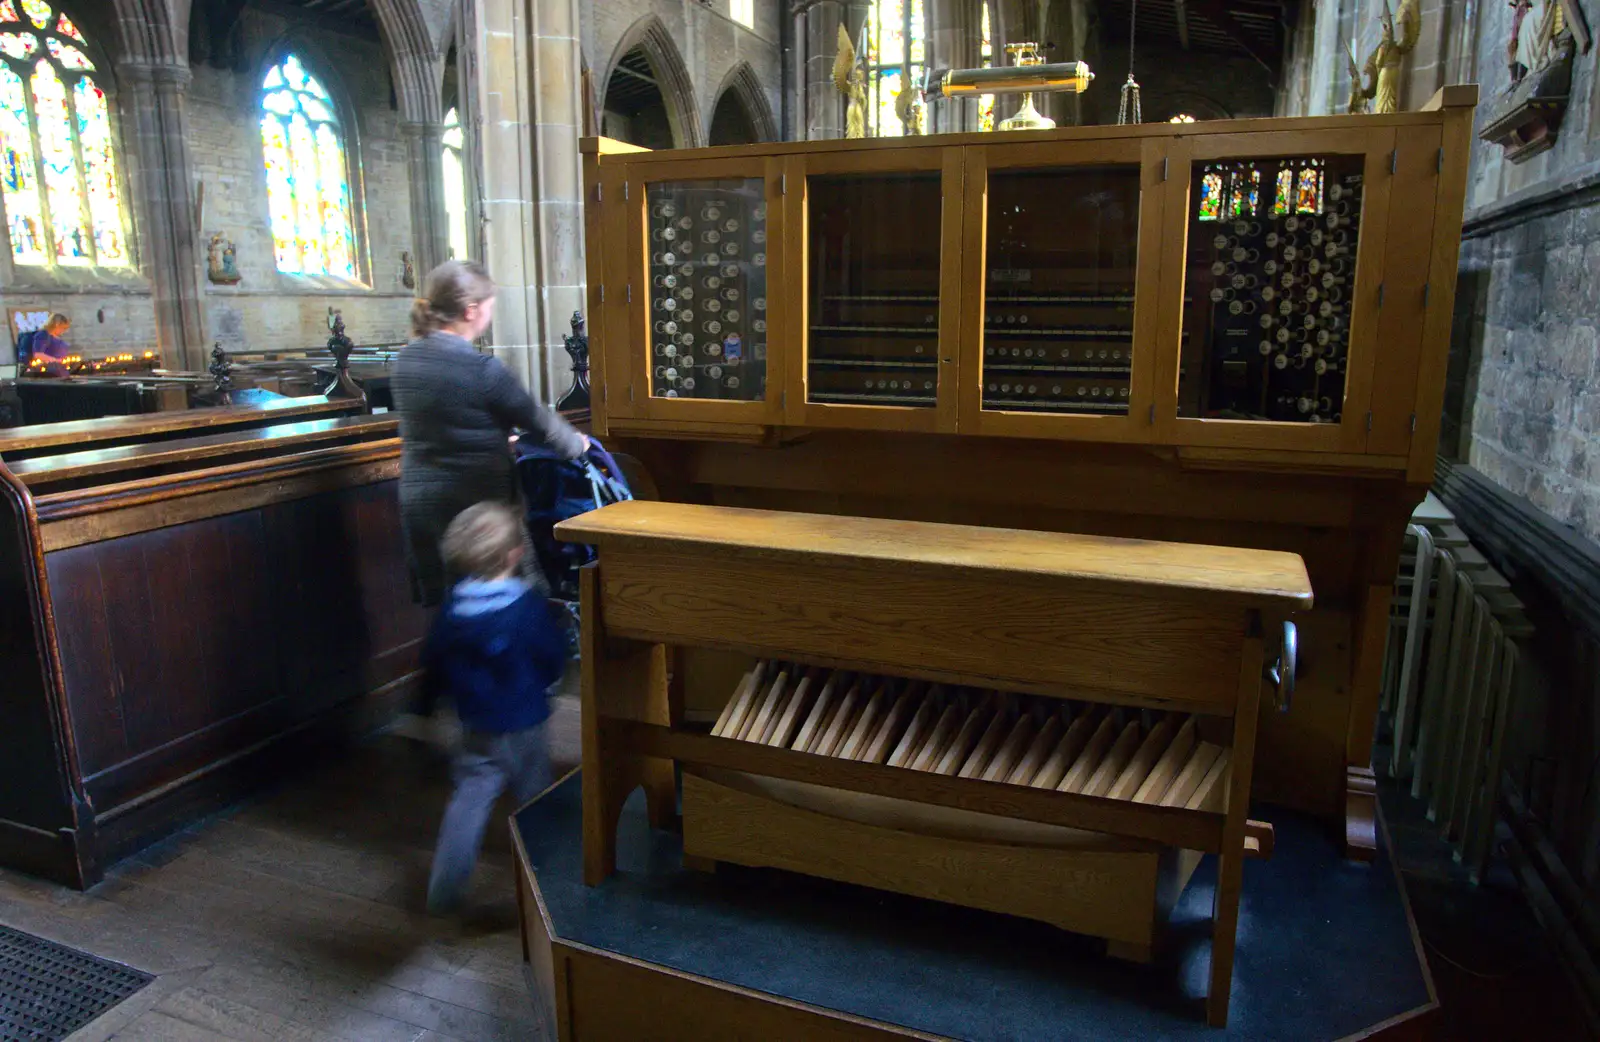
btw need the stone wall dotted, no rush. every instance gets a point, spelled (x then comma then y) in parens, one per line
(1524, 405)
(710, 47)
(272, 311)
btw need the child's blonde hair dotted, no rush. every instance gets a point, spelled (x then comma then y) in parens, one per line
(480, 540)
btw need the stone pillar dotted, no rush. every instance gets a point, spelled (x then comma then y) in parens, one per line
(955, 39)
(526, 74)
(152, 103)
(824, 106)
(430, 222)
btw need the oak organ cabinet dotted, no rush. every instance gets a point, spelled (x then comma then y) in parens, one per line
(1231, 333)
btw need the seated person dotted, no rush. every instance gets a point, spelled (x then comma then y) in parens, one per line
(47, 344)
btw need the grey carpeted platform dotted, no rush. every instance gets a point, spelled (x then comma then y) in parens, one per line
(48, 991)
(1325, 946)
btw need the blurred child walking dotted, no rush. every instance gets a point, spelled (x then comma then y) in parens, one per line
(495, 649)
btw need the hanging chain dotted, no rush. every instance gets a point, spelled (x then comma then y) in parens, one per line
(1133, 27)
(1129, 105)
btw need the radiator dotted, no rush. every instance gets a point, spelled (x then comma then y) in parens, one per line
(1450, 678)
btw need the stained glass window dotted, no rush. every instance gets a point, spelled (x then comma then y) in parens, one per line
(986, 60)
(308, 185)
(59, 183)
(1283, 199)
(1245, 192)
(455, 184)
(1308, 192)
(896, 55)
(1211, 196)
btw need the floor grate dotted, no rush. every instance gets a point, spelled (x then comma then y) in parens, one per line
(48, 991)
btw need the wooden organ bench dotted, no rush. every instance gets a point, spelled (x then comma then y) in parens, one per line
(1055, 726)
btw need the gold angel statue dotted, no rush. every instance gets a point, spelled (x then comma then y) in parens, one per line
(1382, 73)
(1358, 98)
(851, 80)
(909, 106)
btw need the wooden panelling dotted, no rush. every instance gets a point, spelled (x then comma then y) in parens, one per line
(297, 602)
(172, 639)
(73, 520)
(120, 463)
(21, 442)
(36, 760)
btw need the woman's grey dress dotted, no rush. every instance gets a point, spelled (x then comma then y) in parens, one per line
(457, 409)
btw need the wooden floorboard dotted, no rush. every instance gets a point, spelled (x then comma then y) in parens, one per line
(297, 917)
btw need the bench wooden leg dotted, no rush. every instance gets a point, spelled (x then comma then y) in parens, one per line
(1230, 862)
(1224, 930)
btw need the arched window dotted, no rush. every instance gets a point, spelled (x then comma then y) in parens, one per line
(308, 186)
(455, 185)
(59, 183)
(896, 56)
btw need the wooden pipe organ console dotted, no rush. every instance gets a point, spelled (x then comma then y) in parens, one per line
(1051, 726)
(1229, 332)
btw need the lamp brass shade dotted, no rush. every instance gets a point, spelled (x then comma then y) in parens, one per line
(1017, 79)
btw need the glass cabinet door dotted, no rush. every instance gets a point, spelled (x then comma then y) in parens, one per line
(1060, 248)
(703, 304)
(873, 251)
(1281, 281)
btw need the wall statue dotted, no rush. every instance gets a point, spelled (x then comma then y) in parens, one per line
(850, 77)
(1382, 73)
(911, 109)
(221, 265)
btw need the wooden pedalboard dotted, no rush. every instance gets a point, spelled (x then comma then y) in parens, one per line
(1087, 882)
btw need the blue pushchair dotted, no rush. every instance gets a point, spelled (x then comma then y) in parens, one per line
(554, 489)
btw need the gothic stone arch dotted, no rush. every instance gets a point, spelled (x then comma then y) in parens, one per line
(677, 88)
(742, 83)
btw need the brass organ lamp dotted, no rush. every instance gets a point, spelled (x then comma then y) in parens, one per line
(1028, 75)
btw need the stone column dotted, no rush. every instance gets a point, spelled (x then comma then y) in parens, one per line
(526, 74)
(955, 39)
(152, 104)
(824, 106)
(430, 222)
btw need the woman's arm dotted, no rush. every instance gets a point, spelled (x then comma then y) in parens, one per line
(515, 408)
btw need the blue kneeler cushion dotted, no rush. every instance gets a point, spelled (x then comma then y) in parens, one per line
(1326, 948)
